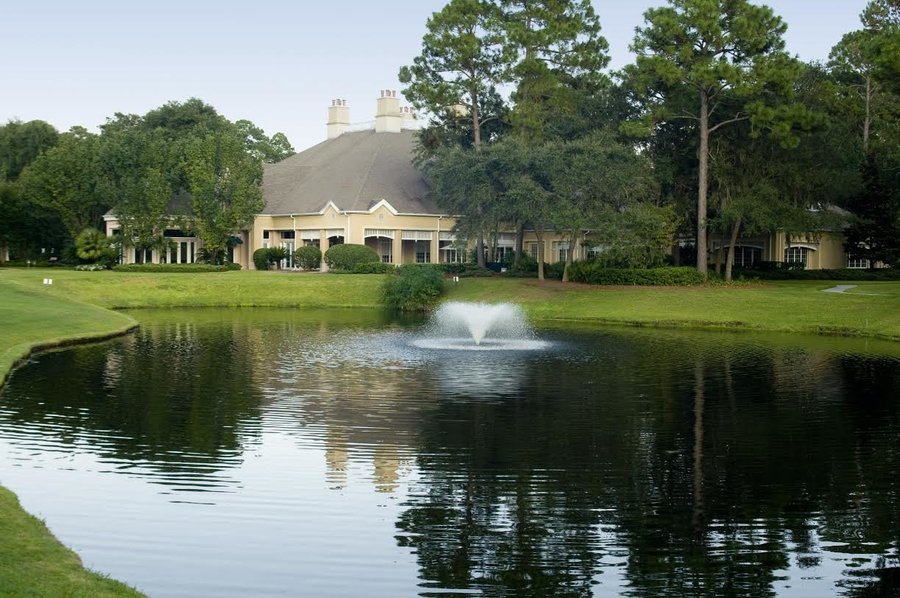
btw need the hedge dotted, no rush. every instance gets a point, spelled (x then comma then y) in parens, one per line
(594, 273)
(175, 268)
(346, 256)
(838, 274)
(373, 268)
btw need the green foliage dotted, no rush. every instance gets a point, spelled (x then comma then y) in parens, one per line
(21, 144)
(639, 237)
(373, 268)
(224, 183)
(559, 57)
(347, 256)
(261, 258)
(414, 287)
(875, 234)
(91, 245)
(182, 268)
(259, 146)
(596, 273)
(525, 264)
(276, 254)
(463, 60)
(555, 270)
(308, 257)
(467, 269)
(65, 180)
(717, 62)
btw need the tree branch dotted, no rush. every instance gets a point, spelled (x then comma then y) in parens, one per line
(729, 121)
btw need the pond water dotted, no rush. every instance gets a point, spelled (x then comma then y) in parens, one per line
(238, 453)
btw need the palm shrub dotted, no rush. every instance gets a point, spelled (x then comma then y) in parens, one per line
(347, 256)
(413, 288)
(276, 254)
(92, 246)
(308, 257)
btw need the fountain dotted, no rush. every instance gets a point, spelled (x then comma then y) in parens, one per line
(479, 326)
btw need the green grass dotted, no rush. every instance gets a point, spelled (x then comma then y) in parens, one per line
(784, 306)
(32, 562)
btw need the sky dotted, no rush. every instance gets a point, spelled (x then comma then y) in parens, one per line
(276, 64)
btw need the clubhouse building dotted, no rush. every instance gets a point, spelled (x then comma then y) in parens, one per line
(360, 186)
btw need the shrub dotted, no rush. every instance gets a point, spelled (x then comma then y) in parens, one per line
(261, 258)
(373, 268)
(276, 254)
(91, 245)
(185, 268)
(308, 257)
(414, 287)
(524, 265)
(346, 256)
(595, 273)
(554, 271)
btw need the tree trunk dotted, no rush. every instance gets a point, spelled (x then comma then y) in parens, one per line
(540, 254)
(702, 185)
(479, 250)
(520, 240)
(569, 253)
(719, 255)
(676, 254)
(867, 120)
(730, 261)
(476, 120)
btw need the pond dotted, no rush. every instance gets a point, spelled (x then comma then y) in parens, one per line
(264, 452)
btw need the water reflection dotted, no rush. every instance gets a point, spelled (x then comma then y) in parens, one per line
(626, 462)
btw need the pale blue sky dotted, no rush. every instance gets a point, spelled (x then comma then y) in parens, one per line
(277, 64)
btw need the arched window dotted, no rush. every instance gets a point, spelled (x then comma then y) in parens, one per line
(797, 255)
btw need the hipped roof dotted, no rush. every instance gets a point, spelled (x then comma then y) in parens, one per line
(354, 171)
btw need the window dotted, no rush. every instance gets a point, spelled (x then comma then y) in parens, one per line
(593, 253)
(386, 250)
(532, 250)
(797, 255)
(265, 234)
(287, 234)
(561, 250)
(855, 261)
(423, 252)
(504, 254)
(745, 256)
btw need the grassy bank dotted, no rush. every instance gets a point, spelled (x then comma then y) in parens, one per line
(32, 562)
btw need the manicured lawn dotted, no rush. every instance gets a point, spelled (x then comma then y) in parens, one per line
(33, 563)
(785, 306)
(120, 290)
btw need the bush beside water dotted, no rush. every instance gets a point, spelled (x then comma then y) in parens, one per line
(414, 287)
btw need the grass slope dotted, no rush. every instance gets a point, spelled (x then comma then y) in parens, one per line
(34, 563)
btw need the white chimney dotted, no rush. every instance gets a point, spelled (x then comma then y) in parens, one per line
(387, 112)
(408, 118)
(338, 118)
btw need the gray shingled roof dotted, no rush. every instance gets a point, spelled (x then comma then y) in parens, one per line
(355, 171)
